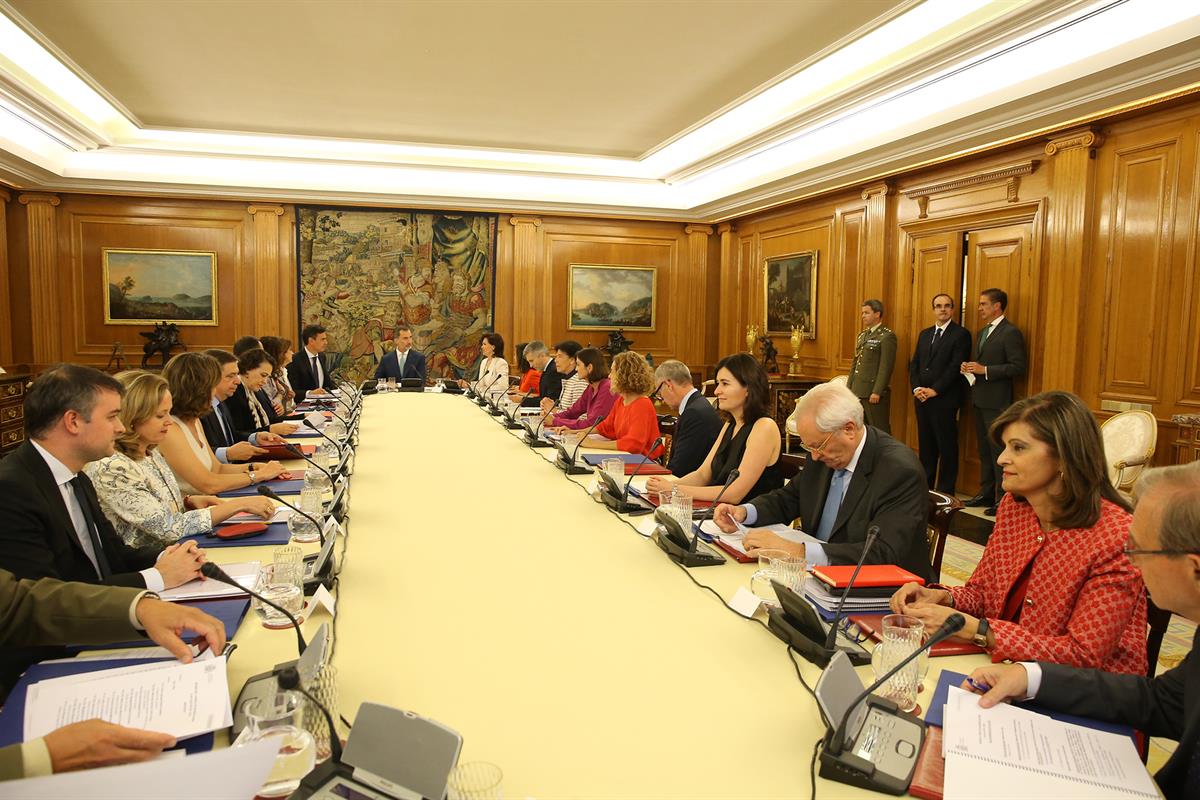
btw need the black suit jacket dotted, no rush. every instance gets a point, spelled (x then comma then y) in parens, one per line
(695, 431)
(389, 366)
(1168, 706)
(940, 370)
(886, 489)
(238, 407)
(215, 434)
(300, 374)
(1004, 356)
(37, 538)
(550, 385)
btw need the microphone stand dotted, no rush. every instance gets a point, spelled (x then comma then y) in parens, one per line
(512, 423)
(616, 497)
(481, 399)
(671, 536)
(534, 439)
(308, 423)
(266, 491)
(211, 570)
(568, 462)
(708, 512)
(289, 679)
(831, 637)
(295, 450)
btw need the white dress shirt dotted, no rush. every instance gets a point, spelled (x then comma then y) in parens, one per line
(63, 477)
(814, 552)
(318, 373)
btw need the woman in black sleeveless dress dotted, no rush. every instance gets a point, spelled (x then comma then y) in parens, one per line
(749, 440)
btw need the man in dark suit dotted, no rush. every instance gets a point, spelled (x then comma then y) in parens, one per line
(698, 424)
(856, 476)
(1164, 543)
(50, 612)
(999, 358)
(404, 361)
(227, 443)
(935, 376)
(309, 370)
(550, 384)
(51, 525)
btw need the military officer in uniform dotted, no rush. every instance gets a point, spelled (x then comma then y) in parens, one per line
(871, 369)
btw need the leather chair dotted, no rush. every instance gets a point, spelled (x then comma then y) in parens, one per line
(942, 508)
(791, 463)
(666, 427)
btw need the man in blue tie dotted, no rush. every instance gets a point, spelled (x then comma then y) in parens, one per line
(404, 361)
(856, 476)
(218, 426)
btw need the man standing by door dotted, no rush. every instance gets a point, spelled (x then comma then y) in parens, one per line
(999, 358)
(871, 369)
(938, 387)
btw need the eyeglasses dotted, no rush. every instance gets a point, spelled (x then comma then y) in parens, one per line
(851, 631)
(819, 448)
(1131, 549)
(655, 396)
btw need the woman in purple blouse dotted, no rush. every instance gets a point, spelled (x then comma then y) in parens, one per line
(596, 400)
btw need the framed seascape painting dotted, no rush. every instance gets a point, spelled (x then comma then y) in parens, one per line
(160, 286)
(791, 288)
(602, 297)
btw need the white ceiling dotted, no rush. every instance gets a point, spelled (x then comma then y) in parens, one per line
(680, 110)
(605, 78)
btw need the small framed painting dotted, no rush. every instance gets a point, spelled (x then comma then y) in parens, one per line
(602, 297)
(160, 286)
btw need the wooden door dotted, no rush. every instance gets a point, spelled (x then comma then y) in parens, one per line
(1000, 258)
(937, 266)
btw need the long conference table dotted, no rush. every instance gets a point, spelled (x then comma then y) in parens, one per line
(485, 589)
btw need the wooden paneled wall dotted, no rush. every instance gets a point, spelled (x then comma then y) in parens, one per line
(55, 271)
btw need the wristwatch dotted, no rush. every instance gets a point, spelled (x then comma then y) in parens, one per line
(981, 634)
(253, 480)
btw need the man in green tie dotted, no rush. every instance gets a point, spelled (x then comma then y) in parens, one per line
(999, 358)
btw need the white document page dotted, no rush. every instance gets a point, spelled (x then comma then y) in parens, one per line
(734, 540)
(1006, 752)
(231, 773)
(281, 515)
(245, 574)
(180, 699)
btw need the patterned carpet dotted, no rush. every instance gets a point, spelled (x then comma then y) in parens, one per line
(959, 562)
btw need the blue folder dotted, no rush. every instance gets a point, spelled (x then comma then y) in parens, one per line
(937, 709)
(595, 459)
(12, 715)
(277, 533)
(279, 487)
(304, 433)
(230, 610)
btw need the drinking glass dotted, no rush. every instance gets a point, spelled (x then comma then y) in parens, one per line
(902, 635)
(615, 467)
(281, 587)
(302, 528)
(323, 687)
(277, 718)
(681, 508)
(315, 478)
(476, 780)
(760, 581)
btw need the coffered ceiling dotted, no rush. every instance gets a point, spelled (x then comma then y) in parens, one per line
(685, 110)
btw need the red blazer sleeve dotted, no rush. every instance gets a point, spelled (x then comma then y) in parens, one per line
(640, 428)
(608, 428)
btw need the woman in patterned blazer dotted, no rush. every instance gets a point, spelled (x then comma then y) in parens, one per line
(1054, 583)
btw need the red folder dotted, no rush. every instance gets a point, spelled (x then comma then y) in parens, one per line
(871, 623)
(871, 576)
(276, 451)
(734, 553)
(647, 468)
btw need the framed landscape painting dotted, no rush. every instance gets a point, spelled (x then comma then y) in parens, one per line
(145, 286)
(602, 297)
(791, 288)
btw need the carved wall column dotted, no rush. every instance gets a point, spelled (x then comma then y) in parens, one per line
(531, 282)
(693, 299)
(46, 285)
(1067, 236)
(269, 302)
(875, 283)
(6, 320)
(731, 336)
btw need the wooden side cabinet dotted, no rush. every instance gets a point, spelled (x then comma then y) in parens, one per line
(12, 411)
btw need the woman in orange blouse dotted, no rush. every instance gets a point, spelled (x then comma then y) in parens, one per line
(1054, 583)
(632, 425)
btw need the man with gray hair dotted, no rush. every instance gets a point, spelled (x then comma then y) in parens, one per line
(856, 477)
(1164, 543)
(550, 384)
(698, 423)
(871, 369)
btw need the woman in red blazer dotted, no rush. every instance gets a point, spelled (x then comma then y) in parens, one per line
(632, 424)
(1054, 583)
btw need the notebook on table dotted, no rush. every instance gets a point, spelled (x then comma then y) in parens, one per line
(870, 624)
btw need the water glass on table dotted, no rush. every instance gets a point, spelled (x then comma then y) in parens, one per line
(615, 468)
(277, 718)
(780, 566)
(901, 635)
(302, 528)
(281, 584)
(476, 780)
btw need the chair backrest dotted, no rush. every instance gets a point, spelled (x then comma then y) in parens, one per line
(790, 464)
(666, 427)
(1129, 442)
(942, 508)
(1159, 619)
(708, 387)
(842, 379)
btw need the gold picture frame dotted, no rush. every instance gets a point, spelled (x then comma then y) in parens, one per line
(178, 286)
(610, 297)
(790, 294)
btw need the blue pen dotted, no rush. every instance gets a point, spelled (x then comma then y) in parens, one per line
(979, 687)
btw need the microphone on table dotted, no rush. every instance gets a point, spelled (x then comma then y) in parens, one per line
(512, 423)
(299, 451)
(289, 679)
(267, 491)
(672, 538)
(483, 396)
(308, 423)
(534, 438)
(568, 462)
(616, 496)
(733, 476)
(951, 626)
(831, 637)
(645, 460)
(210, 570)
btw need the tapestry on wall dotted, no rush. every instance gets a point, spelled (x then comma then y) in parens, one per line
(364, 273)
